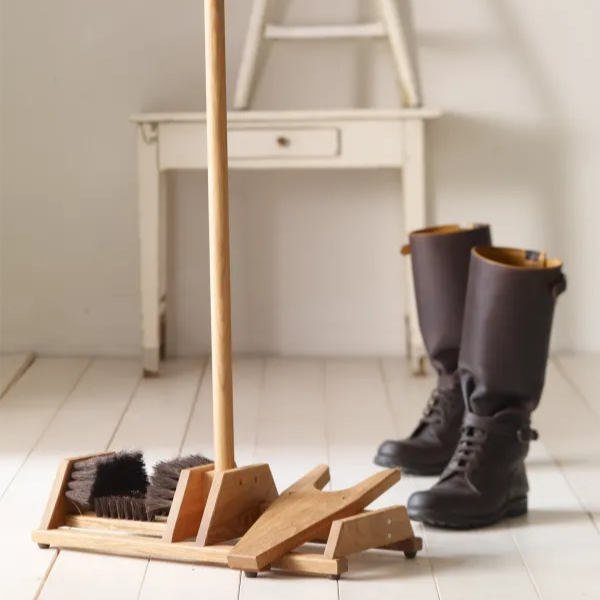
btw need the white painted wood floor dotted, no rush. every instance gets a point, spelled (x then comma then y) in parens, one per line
(294, 414)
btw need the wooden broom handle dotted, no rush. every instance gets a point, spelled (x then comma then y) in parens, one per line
(218, 221)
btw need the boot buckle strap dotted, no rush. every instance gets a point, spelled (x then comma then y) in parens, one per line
(559, 286)
(526, 435)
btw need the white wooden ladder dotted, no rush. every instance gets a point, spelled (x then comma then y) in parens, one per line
(388, 28)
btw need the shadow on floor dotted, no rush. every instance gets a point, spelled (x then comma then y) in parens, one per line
(539, 516)
(582, 460)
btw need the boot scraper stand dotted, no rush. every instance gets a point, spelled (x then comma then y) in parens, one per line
(220, 513)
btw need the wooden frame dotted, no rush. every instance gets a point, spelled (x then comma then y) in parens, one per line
(260, 31)
(182, 535)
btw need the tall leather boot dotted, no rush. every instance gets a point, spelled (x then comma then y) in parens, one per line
(440, 263)
(505, 344)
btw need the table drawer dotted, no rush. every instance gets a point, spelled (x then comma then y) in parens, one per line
(343, 144)
(252, 144)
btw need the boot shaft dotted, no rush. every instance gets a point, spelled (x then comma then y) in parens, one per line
(440, 265)
(509, 310)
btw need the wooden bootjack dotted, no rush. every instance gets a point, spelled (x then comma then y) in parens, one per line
(223, 514)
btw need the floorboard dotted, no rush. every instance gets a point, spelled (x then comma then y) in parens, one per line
(570, 428)
(28, 409)
(181, 581)
(559, 538)
(12, 368)
(291, 438)
(91, 402)
(295, 414)
(358, 418)
(155, 422)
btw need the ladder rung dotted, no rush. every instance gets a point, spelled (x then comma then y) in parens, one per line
(324, 32)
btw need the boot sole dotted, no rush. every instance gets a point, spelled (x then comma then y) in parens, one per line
(385, 461)
(515, 508)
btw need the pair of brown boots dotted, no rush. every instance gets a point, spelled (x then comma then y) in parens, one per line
(485, 314)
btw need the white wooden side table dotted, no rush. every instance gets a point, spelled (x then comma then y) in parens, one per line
(341, 139)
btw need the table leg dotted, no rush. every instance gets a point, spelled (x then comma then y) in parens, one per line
(162, 274)
(414, 218)
(149, 207)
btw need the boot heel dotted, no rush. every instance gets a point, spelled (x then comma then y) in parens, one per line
(517, 507)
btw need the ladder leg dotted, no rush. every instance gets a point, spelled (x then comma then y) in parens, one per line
(414, 218)
(249, 62)
(393, 25)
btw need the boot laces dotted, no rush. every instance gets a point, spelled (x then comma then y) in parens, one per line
(468, 449)
(438, 407)
(474, 433)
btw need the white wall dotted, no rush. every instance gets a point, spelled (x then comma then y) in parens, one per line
(315, 261)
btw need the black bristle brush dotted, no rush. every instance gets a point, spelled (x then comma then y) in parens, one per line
(131, 508)
(163, 482)
(111, 486)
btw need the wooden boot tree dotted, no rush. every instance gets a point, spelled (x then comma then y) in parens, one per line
(222, 514)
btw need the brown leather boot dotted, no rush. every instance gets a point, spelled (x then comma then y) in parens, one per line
(440, 263)
(504, 352)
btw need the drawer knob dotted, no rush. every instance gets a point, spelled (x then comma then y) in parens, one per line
(283, 141)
